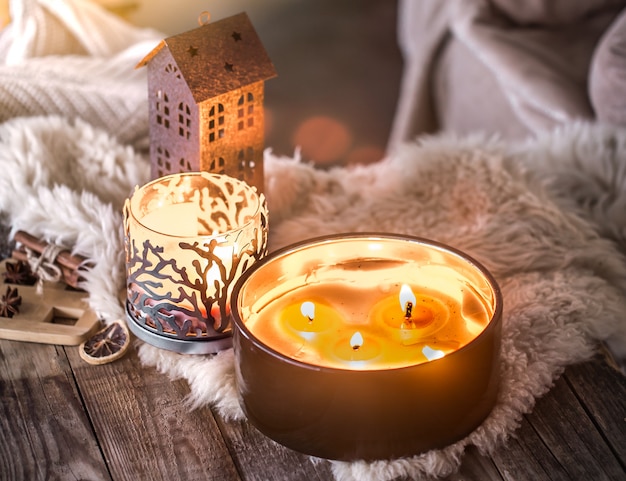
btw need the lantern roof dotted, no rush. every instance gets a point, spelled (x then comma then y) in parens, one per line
(218, 57)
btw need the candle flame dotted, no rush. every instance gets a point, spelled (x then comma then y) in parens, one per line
(406, 297)
(432, 354)
(308, 310)
(356, 341)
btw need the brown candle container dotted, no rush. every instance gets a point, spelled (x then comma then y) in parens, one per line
(346, 414)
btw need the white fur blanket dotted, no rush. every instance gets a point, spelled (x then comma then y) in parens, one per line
(546, 217)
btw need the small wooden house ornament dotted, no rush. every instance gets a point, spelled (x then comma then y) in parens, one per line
(206, 89)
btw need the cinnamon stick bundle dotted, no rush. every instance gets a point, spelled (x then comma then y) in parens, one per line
(69, 264)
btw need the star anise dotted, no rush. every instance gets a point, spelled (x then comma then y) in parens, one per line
(10, 302)
(19, 273)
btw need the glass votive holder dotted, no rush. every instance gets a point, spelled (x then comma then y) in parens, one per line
(188, 238)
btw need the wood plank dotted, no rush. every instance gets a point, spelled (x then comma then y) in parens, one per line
(559, 441)
(259, 458)
(44, 430)
(525, 457)
(476, 466)
(572, 436)
(602, 390)
(144, 427)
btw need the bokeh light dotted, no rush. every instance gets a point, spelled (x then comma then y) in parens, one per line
(323, 139)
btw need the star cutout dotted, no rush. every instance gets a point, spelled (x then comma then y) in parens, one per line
(228, 66)
(193, 51)
(236, 36)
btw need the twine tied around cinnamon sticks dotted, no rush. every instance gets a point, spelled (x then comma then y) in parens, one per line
(43, 265)
(50, 262)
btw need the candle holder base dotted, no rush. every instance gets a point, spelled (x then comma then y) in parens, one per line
(210, 345)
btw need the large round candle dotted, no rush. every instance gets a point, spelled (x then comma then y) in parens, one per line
(188, 237)
(396, 350)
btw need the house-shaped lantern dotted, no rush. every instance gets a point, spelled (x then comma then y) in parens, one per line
(205, 89)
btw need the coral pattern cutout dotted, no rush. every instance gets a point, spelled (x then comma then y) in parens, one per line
(196, 302)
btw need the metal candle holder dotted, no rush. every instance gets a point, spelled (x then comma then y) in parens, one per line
(188, 238)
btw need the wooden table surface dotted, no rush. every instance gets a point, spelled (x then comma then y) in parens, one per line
(63, 419)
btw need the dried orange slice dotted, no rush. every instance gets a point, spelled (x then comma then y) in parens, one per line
(106, 345)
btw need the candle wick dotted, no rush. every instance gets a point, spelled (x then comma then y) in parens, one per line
(356, 347)
(408, 322)
(408, 311)
(310, 319)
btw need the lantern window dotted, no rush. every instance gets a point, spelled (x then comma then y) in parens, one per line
(184, 120)
(162, 109)
(218, 165)
(246, 115)
(184, 165)
(173, 69)
(245, 163)
(163, 160)
(216, 131)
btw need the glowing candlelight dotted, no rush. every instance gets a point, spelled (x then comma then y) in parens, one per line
(308, 310)
(358, 353)
(407, 301)
(432, 354)
(305, 318)
(356, 341)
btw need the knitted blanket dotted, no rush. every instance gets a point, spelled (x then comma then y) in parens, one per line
(72, 58)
